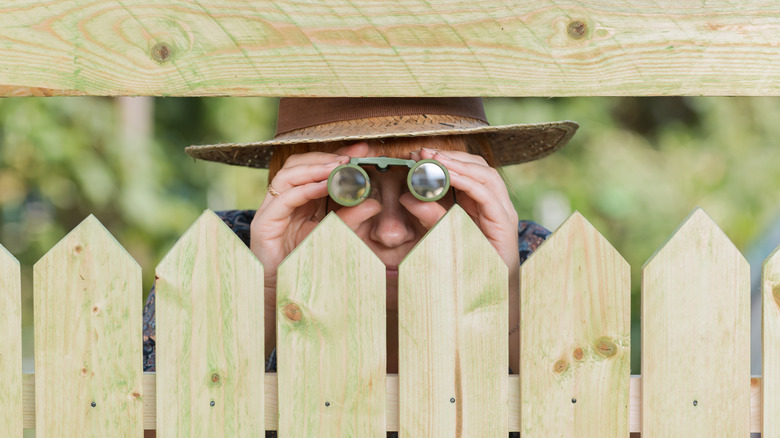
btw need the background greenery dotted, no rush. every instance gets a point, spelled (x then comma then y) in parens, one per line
(636, 168)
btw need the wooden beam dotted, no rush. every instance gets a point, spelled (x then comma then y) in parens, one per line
(271, 410)
(402, 47)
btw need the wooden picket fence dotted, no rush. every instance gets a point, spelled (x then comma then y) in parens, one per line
(575, 329)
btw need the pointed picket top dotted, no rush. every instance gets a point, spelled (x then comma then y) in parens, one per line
(11, 341)
(210, 355)
(696, 335)
(207, 226)
(90, 230)
(87, 300)
(575, 366)
(452, 328)
(771, 345)
(697, 227)
(331, 336)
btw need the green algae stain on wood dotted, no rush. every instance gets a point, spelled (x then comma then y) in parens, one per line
(87, 292)
(696, 335)
(210, 364)
(331, 339)
(575, 299)
(453, 351)
(770, 352)
(11, 341)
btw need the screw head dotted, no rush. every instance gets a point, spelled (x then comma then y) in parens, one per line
(212, 403)
(695, 402)
(574, 400)
(327, 404)
(452, 400)
(93, 404)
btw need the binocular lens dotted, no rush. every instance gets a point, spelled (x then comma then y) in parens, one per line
(349, 185)
(428, 181)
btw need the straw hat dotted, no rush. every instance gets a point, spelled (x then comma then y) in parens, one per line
(316, 120)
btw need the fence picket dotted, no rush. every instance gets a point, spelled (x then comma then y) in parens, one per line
(452, 327)
(696, 335)
(87, 303)
(771, 346)
(575, 332)
(331, 341)
(11, 342)
(210, 352)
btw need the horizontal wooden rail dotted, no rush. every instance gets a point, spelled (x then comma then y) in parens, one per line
(403, 47)
(271, 410)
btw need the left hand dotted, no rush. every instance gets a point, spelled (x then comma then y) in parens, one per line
(482, 194)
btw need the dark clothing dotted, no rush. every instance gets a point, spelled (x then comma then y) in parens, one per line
(529, 235)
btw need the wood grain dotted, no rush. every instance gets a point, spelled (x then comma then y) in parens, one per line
(87, 292)
(404, 47)
(575, 332)
(11, 342)
(271, 412)
(770, 351)
(452, 333)
(696, 335)
(331, 345)
(210, 354)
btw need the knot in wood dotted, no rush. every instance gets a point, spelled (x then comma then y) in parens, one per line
(78, 249)
(161, 52)
(215, 377)
(560, 366)
(578, 354)
(577, 29)
(776, 293)
(292, 312)
(605, 347)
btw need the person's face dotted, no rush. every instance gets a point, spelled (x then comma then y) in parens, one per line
(394, 231)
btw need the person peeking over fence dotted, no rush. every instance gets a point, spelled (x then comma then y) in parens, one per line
(362, 158)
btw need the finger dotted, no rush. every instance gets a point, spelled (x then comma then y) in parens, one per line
(341, 154)
(355, 216)
(282, 207)
(456, 155)
(356, 150)
(312, 158)
(428, 213)
(484, 198)
(289, 177)
(477, 170)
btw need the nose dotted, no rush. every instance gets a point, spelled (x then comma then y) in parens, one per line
(392, 226)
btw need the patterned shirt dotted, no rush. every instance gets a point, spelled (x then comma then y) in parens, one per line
(529, 236)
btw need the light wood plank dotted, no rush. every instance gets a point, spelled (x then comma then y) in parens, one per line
(696, 335)
(408, 47)
(575, 332)
(331, 336)
(11, 342)
(271, 412)
(452, 333)
(771, 345)
(210, 354)
(87, 292)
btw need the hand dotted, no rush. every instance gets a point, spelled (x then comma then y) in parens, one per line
(282, 222)
(482, 194)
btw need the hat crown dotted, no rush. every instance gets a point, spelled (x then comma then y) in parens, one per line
(296, 113)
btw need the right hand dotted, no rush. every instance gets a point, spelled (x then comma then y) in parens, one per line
(282, 222)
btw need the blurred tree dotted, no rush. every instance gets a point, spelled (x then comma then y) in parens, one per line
(635, 169)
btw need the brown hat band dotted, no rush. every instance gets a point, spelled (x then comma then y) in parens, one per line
(297, 113)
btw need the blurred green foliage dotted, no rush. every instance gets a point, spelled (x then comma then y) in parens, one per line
(636, 168)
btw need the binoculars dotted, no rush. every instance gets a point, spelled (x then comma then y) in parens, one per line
(349, 184)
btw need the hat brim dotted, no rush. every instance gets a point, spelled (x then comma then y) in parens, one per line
(511, 144)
